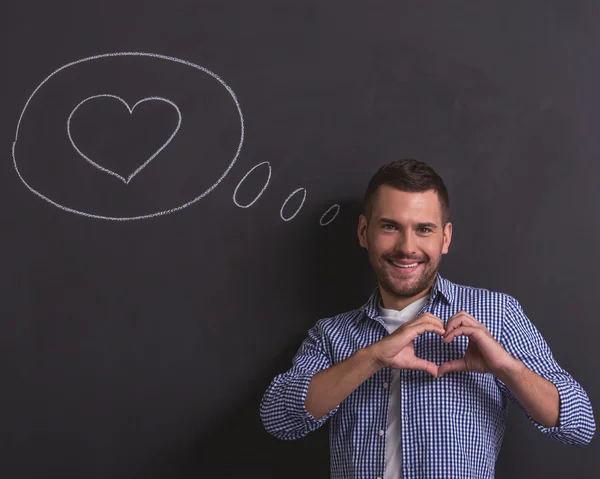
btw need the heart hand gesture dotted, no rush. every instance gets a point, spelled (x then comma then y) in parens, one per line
(484, 354)
(397, 350)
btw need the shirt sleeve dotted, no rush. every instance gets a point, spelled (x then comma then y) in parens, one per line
(524, 342)
(282, 408)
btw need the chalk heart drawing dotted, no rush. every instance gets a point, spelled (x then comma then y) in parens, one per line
(153, 56)
(130, 109)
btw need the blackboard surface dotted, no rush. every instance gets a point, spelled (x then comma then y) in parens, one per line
(180, 188)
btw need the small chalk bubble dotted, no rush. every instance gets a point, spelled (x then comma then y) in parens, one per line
(335, 207)
(294, 193)
(261, 191)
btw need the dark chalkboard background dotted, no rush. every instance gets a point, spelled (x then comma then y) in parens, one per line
(141, 349)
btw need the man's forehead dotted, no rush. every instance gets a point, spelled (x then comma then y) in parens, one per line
(409, 206)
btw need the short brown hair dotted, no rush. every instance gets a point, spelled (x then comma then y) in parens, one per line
(408, 175)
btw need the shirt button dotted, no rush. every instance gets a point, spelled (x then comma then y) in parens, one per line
(385, 385)
(381, 432)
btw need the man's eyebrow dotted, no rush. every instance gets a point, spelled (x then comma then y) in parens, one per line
(427, 225)
(419, 225)
(388, 220)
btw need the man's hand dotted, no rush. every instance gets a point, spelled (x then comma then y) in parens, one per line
(484, 354)
(397, 350)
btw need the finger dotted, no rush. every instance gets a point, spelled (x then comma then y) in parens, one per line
(422, 365)
(461, 331)
(419, 328)
(459, 319)
(438, 325)
(427, 318)
(452, 366)
(415, 328)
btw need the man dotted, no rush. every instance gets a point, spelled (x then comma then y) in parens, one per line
(416, 381)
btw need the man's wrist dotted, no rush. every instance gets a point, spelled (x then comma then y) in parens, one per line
(369, 356)
(511, 370)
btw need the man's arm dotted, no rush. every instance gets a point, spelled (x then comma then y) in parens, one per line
(538, 396)
(302, 399)
(574, 423)
(330, 387)
(525, 372)
(282, 408)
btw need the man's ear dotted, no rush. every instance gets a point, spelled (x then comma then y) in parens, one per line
(362, 230)
(447, 238)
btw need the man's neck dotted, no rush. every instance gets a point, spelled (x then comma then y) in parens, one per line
(391, 301)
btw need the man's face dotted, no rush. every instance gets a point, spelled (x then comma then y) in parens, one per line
(405, 240)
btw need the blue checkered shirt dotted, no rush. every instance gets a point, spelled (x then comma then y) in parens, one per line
(453, 426)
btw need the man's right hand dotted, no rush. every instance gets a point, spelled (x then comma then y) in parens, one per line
(397, 350)
(329, 387)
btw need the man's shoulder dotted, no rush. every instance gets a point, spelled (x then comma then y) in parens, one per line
(469, 293)
(341, 320)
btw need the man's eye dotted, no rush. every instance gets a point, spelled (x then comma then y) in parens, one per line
(389, 227)
(425, 230)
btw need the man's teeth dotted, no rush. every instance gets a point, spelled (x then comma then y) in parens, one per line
(405, 265)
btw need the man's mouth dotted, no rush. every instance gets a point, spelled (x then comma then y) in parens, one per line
(404, 265)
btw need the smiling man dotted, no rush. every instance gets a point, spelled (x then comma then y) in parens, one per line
(417, 381)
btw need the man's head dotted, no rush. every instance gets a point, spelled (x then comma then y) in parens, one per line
(405, 228)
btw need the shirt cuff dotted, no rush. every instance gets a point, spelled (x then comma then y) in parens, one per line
(296, 400)
(568, 419)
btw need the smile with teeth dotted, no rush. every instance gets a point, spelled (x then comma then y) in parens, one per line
(404, 266)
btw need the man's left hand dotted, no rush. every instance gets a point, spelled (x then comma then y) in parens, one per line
(484, 354)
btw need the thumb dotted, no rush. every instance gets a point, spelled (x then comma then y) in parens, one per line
(422, 365)
(451, 367)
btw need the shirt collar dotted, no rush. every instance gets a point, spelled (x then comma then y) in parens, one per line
(441, 287)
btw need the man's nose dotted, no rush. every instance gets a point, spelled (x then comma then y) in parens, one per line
(406, 244)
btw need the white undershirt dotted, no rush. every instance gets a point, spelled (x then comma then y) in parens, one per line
(393, 446)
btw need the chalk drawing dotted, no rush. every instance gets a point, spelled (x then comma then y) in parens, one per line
(129, 54)
(130, 109)
(337, 212)
(261, 191)
(288, 199)
(127, 179)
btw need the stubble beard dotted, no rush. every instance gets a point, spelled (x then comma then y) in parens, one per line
(414, 286)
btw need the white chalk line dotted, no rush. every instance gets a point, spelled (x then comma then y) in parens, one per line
(337, 212)
(130, 218)
(130, 109)
(261, 191)
(286, 202)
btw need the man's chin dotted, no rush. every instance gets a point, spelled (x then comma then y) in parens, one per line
(406, 288)
(403, 291)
